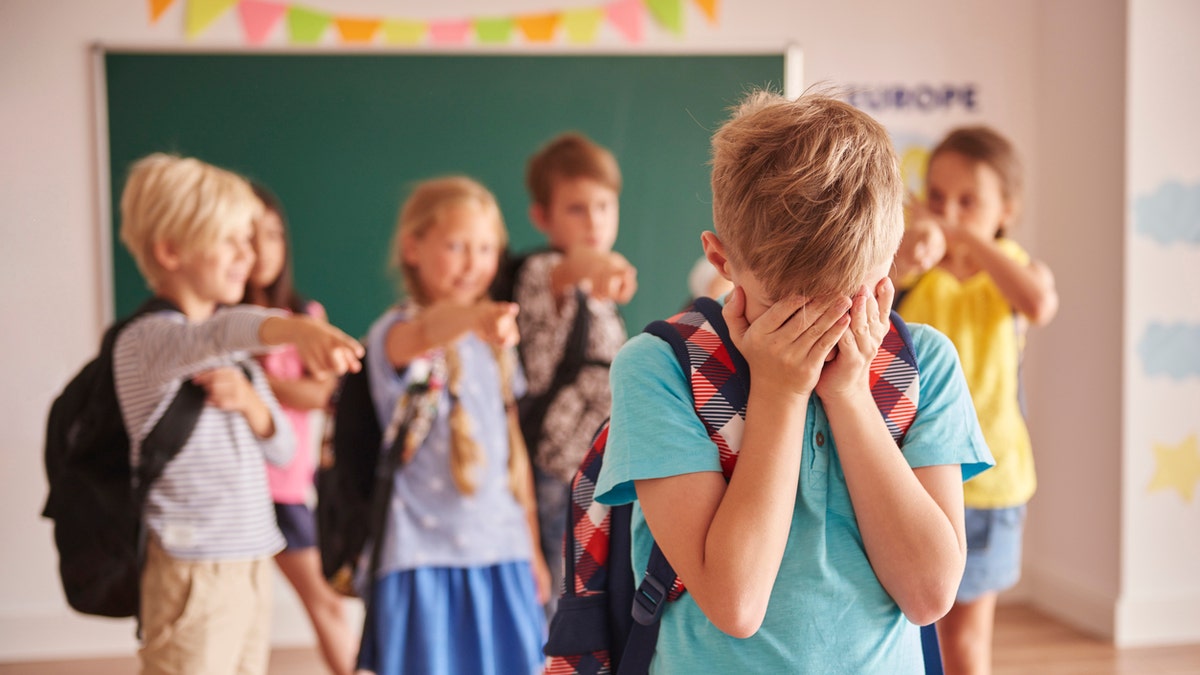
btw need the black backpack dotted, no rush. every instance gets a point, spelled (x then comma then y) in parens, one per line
(97, 511)
(346, 478)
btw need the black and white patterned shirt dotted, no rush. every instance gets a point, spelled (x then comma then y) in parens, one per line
(545, 322)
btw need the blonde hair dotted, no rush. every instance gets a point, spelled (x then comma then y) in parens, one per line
(807, 194)
(987, 146)
(181, 200)
(570, 155)
(423, 209)
(420, 213)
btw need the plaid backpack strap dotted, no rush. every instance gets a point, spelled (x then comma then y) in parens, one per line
(895, 380)
(718, 376)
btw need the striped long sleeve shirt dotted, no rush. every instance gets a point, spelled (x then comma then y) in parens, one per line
(212, 500)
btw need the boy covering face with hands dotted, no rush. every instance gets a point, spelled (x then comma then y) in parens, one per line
(827, 545)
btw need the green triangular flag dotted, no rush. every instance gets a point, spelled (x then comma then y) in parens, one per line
(306, 26)
(669, 13)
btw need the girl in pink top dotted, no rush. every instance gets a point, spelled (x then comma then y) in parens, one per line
(270, 285)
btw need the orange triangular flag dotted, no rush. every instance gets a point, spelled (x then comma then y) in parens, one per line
(538, 27)
(710, 9)
(157, 7)
(357, 31)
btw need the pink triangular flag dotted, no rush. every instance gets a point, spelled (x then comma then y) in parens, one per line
(258, 18)
(449, 32)
(626, 15)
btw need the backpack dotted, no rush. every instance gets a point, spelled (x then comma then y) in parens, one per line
(532, 409)
(345, 479)
(606, 625)
(94, 501)
(354, 479)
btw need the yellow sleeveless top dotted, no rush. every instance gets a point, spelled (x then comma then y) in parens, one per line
(984, 328)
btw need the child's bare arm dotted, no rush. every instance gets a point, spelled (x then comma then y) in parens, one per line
(605, 275)
(911, 520)
(324, 350)
(727, 541)
(443, 323)
(228, 389)
(306, 393)
(1029, 288)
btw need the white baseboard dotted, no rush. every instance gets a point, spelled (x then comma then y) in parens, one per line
(1064, 598)
(60, 633)
(1153, 621)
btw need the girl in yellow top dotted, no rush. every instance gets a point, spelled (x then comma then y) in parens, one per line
(958, 272)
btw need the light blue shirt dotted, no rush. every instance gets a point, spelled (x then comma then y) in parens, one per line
(827, 612)
(430, 523)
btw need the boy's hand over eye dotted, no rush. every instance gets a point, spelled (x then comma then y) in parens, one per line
(788, 344)
(848, 374)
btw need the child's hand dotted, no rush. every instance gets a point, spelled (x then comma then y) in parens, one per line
(924, 243)
(228, 389)
(848, 374)
(496, 323)
(541, 577)
(324, 350)
(604, 275)
(788, 344)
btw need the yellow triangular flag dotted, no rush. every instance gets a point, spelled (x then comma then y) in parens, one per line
(201, 14)
(709, 8)
(157, 7)
(401, 32)
(582, 24)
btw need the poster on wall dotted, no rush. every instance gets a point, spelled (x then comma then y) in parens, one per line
(917, 115)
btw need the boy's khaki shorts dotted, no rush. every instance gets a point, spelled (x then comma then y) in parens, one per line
(205, 617)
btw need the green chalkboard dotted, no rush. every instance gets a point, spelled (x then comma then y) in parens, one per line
(341, 139)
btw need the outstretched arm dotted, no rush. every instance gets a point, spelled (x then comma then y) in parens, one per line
(727, 541)
(443, 323)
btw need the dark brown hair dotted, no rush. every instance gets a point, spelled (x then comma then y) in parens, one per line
(987, 146)
(281, 293)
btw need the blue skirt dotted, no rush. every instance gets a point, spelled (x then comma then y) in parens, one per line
(455, 621)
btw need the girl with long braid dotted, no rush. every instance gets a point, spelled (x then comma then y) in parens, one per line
(461, 577)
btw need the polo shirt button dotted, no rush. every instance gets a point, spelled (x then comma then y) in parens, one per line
(820, 439)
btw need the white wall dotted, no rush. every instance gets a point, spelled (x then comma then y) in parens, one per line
(1051, 76)
(1160, 546)
(1073, 371)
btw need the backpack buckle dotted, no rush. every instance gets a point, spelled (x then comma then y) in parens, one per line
(649, 600)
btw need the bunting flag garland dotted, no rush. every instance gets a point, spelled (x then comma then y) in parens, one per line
(669, 13)
(259, 18)
(307, 26)
(626, 16)
(201, 13)
(582, 24)
(157, 7)
(357, 31)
